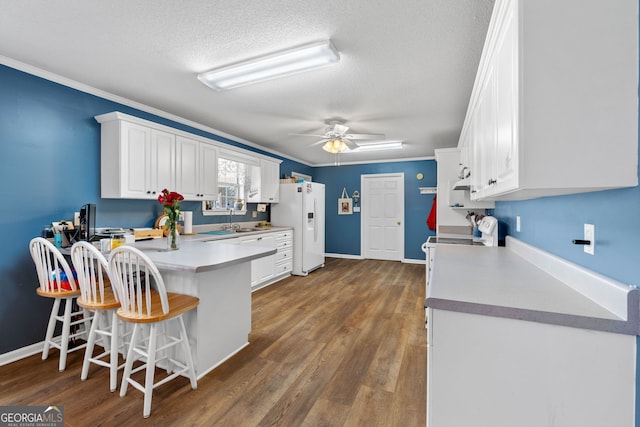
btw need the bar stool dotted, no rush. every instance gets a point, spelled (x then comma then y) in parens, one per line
(143, 304)
(92, 270)
(56, 281)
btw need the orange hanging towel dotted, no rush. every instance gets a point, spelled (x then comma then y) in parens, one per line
(431, 220)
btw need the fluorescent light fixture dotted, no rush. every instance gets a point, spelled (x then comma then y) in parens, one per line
(335, 146)
(284, 63)
(388, 145)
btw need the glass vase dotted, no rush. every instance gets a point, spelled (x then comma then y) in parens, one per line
(173, 237)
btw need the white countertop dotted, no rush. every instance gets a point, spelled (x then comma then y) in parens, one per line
(496, 281)
(198, 254)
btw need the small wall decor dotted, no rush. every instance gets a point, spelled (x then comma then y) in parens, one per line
(345, 203)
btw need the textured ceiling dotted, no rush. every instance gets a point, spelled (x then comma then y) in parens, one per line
(407, 67)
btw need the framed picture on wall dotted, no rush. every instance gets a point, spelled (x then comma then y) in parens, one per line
(345, 204)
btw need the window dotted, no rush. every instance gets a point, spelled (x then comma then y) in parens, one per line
(234, 184)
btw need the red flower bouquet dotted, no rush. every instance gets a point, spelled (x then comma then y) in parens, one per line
(170, 201)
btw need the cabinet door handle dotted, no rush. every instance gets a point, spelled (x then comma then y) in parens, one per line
(492, 181)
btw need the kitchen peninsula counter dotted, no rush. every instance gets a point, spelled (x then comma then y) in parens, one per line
(219, 274)
(201, 252)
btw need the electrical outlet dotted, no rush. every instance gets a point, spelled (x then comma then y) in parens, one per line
(254, 214)
(590, 235)
(518, 223)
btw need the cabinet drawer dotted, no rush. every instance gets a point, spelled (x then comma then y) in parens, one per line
(283, 267)
(284, 244)
(284, 235)
(283, 255)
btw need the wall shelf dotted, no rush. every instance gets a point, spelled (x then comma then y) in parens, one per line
(428, 190)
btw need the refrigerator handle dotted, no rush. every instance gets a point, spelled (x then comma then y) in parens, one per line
(315, 220)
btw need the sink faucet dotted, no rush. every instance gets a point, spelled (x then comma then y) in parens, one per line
(231, 226)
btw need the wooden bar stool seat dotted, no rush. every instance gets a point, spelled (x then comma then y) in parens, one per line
(145, 302)
(56, 281)
(98, 296)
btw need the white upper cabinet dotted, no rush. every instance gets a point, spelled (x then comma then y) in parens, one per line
(208, 172)
(188, 168)
(554, 108)
(140, 158)
(162, 160)
(270, 181)
(266, 183)
(137, 162)
(196, 169)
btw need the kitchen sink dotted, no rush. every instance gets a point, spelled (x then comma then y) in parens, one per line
(224, 232)
(217, 232)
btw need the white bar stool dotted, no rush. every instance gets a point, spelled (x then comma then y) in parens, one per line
(145, 301)
(50, 264)
(92, 270)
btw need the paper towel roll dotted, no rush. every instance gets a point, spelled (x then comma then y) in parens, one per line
(188, 222)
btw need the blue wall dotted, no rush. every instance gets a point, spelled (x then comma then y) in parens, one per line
(343, 231)
(551, 223)
(50, 167)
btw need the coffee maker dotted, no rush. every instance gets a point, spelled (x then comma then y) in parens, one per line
(87, 222)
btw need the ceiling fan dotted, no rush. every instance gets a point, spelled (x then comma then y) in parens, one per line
(336, 138)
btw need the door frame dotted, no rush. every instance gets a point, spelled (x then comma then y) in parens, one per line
(365, 195)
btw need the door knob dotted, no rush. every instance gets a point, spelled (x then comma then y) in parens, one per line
(398, 223)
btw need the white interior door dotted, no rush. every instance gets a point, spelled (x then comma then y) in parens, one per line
(383, 216)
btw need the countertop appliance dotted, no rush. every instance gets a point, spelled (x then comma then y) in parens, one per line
(301, 207)
(487, 225)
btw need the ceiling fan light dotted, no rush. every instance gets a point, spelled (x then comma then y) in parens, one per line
(335, 146)
(284, 63)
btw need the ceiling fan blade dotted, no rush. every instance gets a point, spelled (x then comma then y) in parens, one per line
(375, 136)
(307, 134)
(322, 141)
(352, 145)
(340, 129)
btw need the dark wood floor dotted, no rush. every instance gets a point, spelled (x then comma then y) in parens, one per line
(345, 346)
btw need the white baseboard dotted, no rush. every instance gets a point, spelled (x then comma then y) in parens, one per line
(404, 260)
(21, 353)
(414, 261)
(344, 256)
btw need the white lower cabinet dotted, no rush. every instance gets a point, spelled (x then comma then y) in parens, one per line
(284, 256)
(261, 268)
(269, 269)
(487, 371)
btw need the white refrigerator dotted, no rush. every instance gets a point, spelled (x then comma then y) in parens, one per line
(301, 206)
